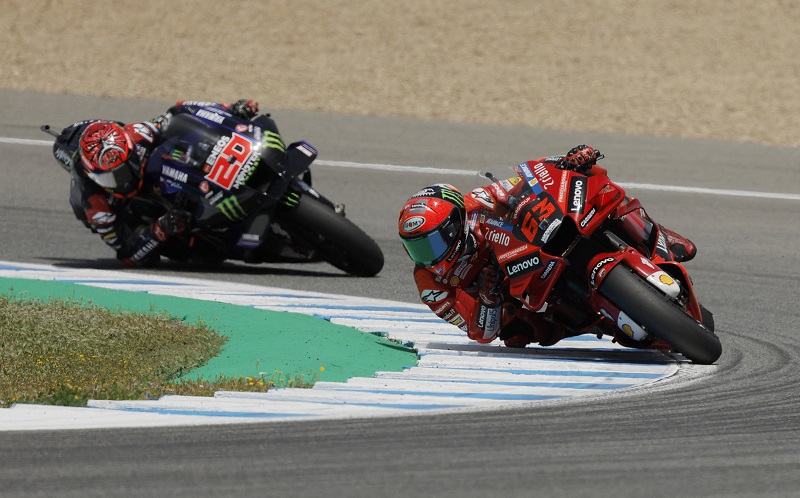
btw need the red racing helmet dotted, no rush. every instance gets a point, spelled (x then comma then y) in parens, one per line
(432, 227)
(109, 158)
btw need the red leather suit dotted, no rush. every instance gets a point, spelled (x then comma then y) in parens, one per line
(453, 296)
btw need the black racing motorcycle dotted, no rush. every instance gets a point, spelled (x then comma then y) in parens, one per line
(249, 194)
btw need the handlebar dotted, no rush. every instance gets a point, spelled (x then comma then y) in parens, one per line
(488, 175)
(46, 128)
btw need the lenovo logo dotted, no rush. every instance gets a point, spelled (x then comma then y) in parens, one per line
(523, 265)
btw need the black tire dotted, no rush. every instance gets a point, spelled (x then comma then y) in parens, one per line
(338, 240)
(708, 318)
(660, 316)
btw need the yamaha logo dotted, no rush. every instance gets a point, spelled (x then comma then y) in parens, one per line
(413, 223)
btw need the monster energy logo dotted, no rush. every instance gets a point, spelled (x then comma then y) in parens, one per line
(453, 197)
(273, 141)
(231, 208)
(291, 199)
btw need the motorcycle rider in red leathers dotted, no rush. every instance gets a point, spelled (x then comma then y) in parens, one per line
(113, 157)
(455, 270)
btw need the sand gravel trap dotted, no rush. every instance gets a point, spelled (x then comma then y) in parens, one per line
(717, 69)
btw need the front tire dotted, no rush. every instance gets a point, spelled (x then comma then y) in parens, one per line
(338, 240)
(660, 316)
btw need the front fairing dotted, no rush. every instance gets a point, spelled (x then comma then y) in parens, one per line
(587, 200)
(217, 162)
(531, 272)
(553, 209)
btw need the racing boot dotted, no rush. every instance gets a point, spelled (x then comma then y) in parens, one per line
(528, 328)
(516, 334)
(517, 341)
(680, 248)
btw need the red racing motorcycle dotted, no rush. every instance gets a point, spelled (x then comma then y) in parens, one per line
(576, 250)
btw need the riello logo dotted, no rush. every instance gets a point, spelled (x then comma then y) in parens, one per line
(498, 237)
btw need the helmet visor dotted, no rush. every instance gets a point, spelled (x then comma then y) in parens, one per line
(123, 179)
(432, 248)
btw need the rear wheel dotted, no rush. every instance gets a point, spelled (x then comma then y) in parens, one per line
(336, 239)
(660, 316)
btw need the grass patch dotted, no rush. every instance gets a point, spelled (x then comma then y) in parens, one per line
(65, 352)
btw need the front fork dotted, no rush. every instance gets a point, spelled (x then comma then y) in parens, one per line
(669, 278)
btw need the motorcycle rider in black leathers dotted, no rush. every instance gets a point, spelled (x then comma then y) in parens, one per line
(110, 170)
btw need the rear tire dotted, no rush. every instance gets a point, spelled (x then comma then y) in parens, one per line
(660, 316)
(338, 240)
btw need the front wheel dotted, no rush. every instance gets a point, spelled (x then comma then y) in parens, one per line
(660, 316)
(336, 239)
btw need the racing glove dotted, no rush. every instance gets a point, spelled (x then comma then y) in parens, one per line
(489, 291)
(489, 312)
(173, 222)
(580, 158)
(244, 108)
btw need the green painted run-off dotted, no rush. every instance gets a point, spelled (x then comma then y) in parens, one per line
(258, 340)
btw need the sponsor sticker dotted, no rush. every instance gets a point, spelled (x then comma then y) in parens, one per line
(175, 174)
(577, 194)
(562, 188)
(586, 219)
(211, 116)
(550, 229)
(597, 268)
(428, 191)
(498, 237)
(510, 254)
(143, 132)
(432, 295)
(413, 223)
(307, 149)
(480, 195)
(546, 272)
(523, 265)
(661, 246)
(502, 225)
(543, 174)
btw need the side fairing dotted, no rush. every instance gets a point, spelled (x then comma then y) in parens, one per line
(531, 272)
(587, 200)
(211, 160)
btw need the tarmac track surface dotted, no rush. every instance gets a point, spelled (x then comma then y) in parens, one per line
(733, 433)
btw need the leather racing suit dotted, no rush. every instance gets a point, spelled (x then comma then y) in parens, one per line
(136, 244)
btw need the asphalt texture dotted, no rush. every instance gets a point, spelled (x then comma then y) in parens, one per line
(732, 433)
